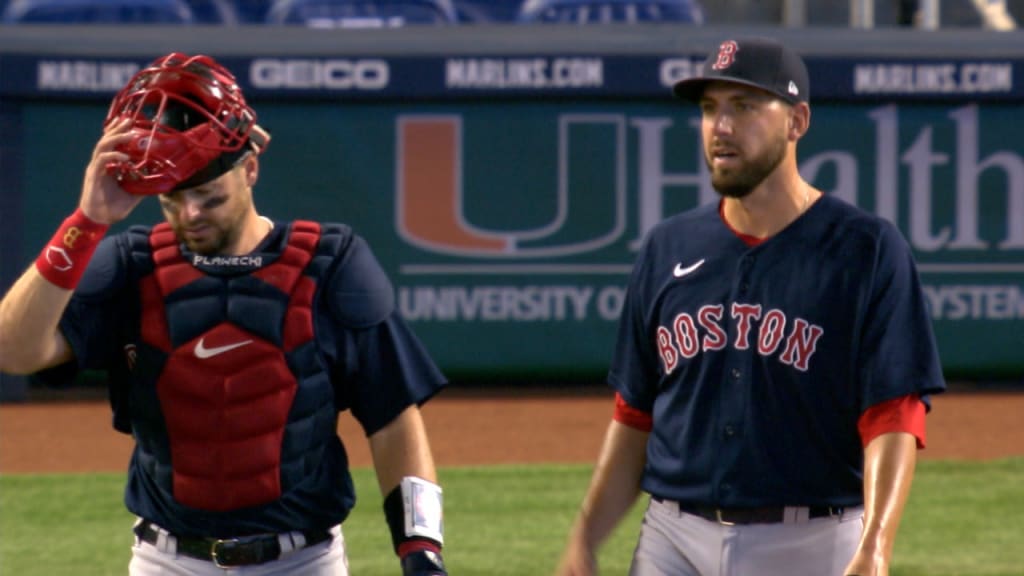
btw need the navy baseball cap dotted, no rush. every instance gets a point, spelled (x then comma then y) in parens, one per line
(759, 62)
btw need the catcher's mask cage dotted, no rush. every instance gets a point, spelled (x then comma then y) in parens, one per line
(190, 124)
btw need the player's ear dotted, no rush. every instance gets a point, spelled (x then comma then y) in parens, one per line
(799, 120)
(251, 168)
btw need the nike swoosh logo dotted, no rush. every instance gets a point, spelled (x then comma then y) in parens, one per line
(679, 271)
(202, 352)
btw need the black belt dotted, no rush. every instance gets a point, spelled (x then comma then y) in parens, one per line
(242, 551)
(758, 515)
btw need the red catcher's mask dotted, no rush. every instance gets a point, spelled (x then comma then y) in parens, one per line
(190, 124)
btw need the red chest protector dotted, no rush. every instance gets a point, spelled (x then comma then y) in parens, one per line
(225, 391)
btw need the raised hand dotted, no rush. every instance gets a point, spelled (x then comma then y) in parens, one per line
(103, 200)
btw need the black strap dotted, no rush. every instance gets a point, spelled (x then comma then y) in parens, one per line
(423, 563)
(243, 551)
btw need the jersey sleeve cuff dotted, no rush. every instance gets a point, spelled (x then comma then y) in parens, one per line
(630, 416)
(902, 414)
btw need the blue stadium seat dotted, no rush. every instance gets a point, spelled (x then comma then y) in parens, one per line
(362, 13)
(487, 11)
(218, 12)
(98, 12)
(252, 11)
(608, 11)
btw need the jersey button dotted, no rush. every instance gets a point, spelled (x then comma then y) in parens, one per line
(730, 430)
(735, 372)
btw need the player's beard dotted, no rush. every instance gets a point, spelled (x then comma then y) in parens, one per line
(216, 240)
(740, 181)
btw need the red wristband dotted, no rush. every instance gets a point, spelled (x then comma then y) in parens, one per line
(66, 255)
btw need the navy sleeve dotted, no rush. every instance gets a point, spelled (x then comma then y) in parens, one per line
(632, 374)
(90, 321)
(394, 373)
(898, 354)
(385, 367)
(359, 293)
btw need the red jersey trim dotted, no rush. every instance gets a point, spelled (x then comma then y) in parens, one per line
(903, 414)
(747, 238)
(632, 417)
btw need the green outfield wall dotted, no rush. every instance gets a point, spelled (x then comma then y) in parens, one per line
(507, 197)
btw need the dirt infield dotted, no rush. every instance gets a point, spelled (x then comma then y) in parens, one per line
(471, 427)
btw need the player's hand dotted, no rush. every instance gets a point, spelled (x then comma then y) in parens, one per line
(867, 564)
(577, 560)
(103, 200)
(423, 563)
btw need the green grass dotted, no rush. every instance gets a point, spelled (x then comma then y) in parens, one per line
(964, 519)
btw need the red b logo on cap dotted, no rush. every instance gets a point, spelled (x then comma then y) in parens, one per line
(726, 55)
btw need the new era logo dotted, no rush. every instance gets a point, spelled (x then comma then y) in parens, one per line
(793, 89)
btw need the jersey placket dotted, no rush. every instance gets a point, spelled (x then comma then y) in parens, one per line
(734, 391)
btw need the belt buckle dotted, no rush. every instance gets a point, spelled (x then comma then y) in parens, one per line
(228, 552)
(718, 517)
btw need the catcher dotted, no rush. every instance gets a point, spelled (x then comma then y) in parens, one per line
(232, 342)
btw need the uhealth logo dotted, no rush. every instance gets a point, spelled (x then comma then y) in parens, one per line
(430, 204)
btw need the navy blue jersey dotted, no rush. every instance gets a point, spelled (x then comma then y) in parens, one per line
(757, 362)
(360, 355)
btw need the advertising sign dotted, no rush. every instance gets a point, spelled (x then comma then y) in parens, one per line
(509, 229)
(507, 194)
